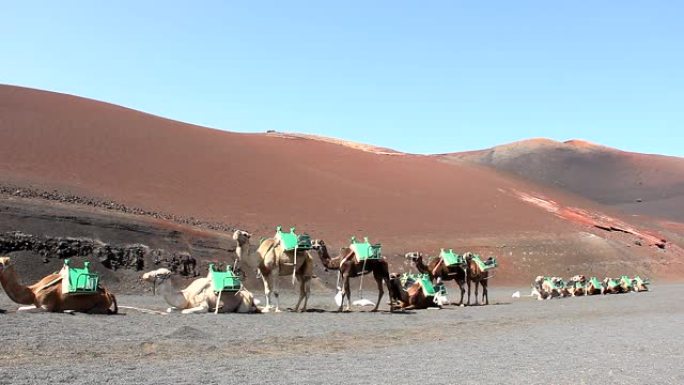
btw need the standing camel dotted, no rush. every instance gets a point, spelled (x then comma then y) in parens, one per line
(273, 260)
(349, 266)
(47, 294)
(479, 275)
(198, 296)
(437, 268)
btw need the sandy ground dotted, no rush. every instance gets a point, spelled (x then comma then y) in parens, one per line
(620, 339)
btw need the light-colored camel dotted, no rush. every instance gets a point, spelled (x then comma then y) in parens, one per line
(348, 266)
(577, 285)
(547, 287)
(611, 286)
(272, 261)
(47, 295)
(640, 284)
(199, 296)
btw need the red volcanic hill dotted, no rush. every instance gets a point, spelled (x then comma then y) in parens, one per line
(638, 183)
(328, 188)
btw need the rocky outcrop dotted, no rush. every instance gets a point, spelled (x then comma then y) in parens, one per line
(130, 256)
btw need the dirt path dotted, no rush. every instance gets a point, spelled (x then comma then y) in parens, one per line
(631, 338)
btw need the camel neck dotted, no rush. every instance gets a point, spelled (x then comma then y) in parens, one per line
(329, 262)
(15, 291)
(422, 268)
(245, 254)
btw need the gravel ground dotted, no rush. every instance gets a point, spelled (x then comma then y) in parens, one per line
(619, 339)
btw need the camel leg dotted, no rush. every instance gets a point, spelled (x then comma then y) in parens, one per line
(198, 309)
(381, 292)
(485, 292)
(347, 292)
(468, 303)
(30, 309)
(267, 292)
(306, 285)
(477, 293)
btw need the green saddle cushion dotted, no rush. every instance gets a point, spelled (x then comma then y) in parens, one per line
(365, 250)
(450, 258)
(80, 280)
(291, 240)
(224, 280)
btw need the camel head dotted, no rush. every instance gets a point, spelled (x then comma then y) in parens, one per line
(241, 237)
(414, 256)
(156, 276)
(318, 244)
(4, 263)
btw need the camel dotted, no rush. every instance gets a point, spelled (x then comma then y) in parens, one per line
(611, 286)
(198, 296)
(348, 266)
(409, 294)
(594, 286)
(640, 284)
(474, 273)
(547, 287)
(626, 284)
(272, 260)
(436, 268)
(47, 294)
(577, 285)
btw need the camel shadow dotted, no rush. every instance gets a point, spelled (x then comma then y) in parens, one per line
(310, 310)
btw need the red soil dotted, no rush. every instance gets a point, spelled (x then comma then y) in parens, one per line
(256, 181)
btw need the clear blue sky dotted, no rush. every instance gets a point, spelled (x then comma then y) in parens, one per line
(422, 76)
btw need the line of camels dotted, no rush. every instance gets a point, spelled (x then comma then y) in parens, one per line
(579, 285)
(271, 259)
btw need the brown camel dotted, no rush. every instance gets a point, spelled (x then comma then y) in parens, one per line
(436, 268)
(475, 273)
(273, 260)
(409, 294)
(348, 266)
(47, 295)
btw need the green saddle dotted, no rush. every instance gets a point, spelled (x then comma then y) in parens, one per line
(595, 282)
(450, 258)
(428, 287)
(424, 281)
(225, 281)
(291, 240)
(641, 281)
(364, 250)
(485, 265)
(79, 281)
(613, 283)
(627, 281)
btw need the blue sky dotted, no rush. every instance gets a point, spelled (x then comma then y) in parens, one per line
(425, 77)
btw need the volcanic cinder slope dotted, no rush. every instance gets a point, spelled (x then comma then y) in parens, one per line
(327, 188)
(642, 184)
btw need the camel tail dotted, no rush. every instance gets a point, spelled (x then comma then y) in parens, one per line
(116, 306)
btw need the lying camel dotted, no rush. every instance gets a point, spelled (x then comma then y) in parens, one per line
(640, 284)
(577, 285)
(547, 287)
(410, 294)
(594, 286)
(47, 295)
(350, 267)
(611, 286)
(436, 268)
(199, 296)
